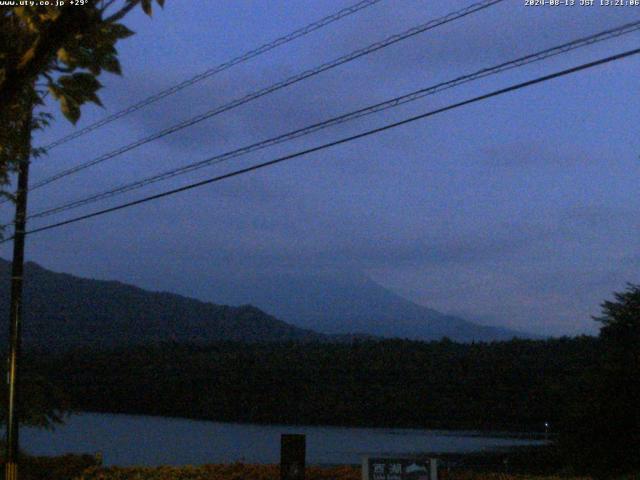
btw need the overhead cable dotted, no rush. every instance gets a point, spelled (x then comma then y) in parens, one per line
(345, 12)
(341, 141)
(476, 7)
(362, 112)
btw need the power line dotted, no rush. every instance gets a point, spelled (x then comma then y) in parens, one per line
(284, 83)
(374, 131)
(277, 86)
(392, 103)
(345, 12)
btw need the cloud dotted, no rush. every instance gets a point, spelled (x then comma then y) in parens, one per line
(522, 209)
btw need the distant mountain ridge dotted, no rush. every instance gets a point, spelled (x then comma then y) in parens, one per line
(337, 302)
(62, 311)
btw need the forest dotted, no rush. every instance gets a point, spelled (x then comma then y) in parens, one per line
(516, 385)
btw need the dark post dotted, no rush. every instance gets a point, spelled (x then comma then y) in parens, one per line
(292, 457)
(11, 465)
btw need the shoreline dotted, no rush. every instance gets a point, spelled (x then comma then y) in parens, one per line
(462, 430)
(481, 466)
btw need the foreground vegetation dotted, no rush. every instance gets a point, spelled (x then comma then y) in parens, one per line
(76, 467)
(64, 467)
(271, 472)
(87, 467)
(535, 461)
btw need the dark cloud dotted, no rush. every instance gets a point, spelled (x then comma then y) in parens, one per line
(522, 209)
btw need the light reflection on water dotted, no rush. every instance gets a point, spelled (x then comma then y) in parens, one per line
(142, 440)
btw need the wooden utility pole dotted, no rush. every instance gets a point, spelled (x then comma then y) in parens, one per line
(15, 320)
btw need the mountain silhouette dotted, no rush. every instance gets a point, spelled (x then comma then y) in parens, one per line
(63, 311)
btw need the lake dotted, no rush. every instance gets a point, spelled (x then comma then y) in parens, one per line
(142, 440)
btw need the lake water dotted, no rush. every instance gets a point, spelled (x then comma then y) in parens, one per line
(141, 440)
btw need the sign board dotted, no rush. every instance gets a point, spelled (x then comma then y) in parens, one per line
(378, 468)
(292, 457)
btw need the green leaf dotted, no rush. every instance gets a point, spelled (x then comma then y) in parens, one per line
(112, 65)
(94, 69)
(146, 6)
(66, 57)
(38, 152)
(86, 81)
(75, 90)
(120, 31)
(93, 98)
(55, 91)
(161, 3)
(79, 85)
(70, 109)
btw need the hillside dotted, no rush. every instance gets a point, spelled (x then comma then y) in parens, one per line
(347, 303)
(63, 311)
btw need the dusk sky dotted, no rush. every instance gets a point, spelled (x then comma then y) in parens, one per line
(520, 211)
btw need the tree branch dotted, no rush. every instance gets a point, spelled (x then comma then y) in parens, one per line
(33, 61)
(104, 6)
(131, 4)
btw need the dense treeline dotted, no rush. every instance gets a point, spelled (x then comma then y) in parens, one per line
(514, 385)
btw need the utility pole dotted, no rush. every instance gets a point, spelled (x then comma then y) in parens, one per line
(15, 321)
